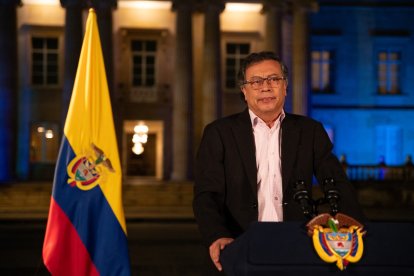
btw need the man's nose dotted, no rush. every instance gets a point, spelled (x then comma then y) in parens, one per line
(266, 85)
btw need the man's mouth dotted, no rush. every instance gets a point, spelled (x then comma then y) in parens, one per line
(267, 99)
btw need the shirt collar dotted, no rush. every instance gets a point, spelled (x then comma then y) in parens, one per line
(255, 119)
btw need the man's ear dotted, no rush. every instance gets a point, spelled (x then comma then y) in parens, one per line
(243, 91)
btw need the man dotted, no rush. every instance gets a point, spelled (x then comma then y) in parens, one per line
(248, 164)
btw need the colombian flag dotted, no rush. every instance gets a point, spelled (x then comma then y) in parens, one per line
(86, 231)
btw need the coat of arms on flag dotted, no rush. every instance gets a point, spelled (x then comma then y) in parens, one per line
(86, 170)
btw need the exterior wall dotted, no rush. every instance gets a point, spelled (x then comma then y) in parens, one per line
(233, 24)
(159, 23)
(356, 135)
(243, 21)
(36, 104)
(129, 17)
(356, 112)
(38, 14)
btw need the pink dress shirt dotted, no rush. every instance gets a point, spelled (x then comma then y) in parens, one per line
(269, 177)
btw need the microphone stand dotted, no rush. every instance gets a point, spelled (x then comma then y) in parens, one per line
(301, 196)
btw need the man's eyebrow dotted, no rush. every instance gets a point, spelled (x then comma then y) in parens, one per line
(271, 75)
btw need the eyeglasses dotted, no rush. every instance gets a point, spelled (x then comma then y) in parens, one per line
(257, 82)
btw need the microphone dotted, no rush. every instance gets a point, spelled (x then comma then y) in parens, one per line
(331, 195)
(301, 196)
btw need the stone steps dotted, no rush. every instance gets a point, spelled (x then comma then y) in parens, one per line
(152, 200)
(142, 200)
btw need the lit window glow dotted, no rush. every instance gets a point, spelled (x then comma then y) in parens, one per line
(150, 5)
(49, 134)
(140, 137)
(141, 128)
(138, 148)
(42, 2)
(243, 7)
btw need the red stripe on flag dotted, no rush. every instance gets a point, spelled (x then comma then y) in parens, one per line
(63, 251)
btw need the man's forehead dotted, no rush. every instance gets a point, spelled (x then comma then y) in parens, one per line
(266, 66)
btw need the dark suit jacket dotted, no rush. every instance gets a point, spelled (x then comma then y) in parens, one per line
(225, 193)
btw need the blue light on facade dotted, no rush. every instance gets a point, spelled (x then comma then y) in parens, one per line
(368, 123)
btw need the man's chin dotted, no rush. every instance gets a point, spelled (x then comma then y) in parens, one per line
(268, 108)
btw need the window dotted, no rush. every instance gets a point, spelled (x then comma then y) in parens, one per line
(388, 72)
(146, 163)
(144, 53)
(143, 164)
(45, 65)
(322, 71)
(44, 142)
(235, 53)
(389, 143)
(147, 59)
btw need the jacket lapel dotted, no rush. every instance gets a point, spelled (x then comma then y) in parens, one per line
(243, 134)
(290, 141)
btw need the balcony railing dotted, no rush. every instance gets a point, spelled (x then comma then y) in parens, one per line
(379, 172)
(384, 189)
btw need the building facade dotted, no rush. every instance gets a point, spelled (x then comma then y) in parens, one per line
(172, 67)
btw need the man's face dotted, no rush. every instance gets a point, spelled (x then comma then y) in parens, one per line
(268, 99)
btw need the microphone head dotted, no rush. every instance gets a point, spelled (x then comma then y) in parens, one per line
(300, 191)
(332, 195)
(301, 196)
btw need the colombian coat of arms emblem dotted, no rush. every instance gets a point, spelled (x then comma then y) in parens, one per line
(86, 170)
(337, 239)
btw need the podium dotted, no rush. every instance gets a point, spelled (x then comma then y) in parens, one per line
(272, 248)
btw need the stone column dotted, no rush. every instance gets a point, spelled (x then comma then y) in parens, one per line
(103, 10)
(8, 88)
(273, 32)
(73, 46)
(300, 56)
(183, 93)
(211, 94)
